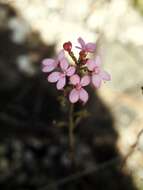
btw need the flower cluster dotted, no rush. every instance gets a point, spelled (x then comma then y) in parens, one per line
(75, 76)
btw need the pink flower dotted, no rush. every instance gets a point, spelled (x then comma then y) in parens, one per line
(87, 47)
(79, 93)
(60, 77)
(97, 73)
(50, 64)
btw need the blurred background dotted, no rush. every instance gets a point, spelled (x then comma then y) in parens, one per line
(33, 145)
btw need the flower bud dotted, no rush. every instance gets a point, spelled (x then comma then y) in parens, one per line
(82, 55)
(67, 46)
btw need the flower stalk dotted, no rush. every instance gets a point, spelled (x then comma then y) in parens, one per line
(71, 131)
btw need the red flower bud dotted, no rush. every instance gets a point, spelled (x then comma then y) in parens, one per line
(67, 46)
(82, 55)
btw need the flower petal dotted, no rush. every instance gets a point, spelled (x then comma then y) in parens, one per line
(98, 61)
(48, 65)
(75, 79)
(47, 69)
(54, 77)
(64, 64)
(90, 64)
(74, 96)
(96, 80)
(81, 42)
(83, 95)
(90, 47)
(105, 75)
(85, 80)
(61, 55)
(70, 71)
(47, 61)
(61, 83)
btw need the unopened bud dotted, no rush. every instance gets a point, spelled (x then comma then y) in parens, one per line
(67, 46)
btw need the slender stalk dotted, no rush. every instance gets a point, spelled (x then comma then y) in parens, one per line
(71, 128)
(73, 57)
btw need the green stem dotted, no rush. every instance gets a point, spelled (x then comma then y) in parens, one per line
(71, 128)
(73, 57)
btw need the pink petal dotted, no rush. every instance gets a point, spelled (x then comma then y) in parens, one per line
(83, 95)
(61, 55)
(96, 80)
(81, 42)
(54, 77)
(64, 64)
(105, 75)
(74, 96)
(85, 80)
(61, 83)
(48, 65)
(75, 79)
(90, 47)
(98, 61)
(47, 61)
(70, 71)
(48, 69)
(90, 64)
